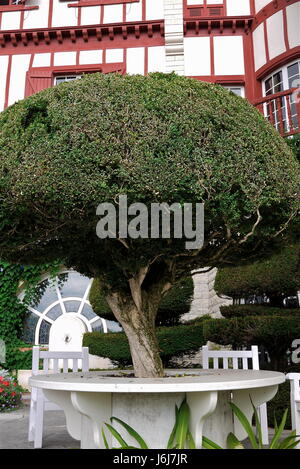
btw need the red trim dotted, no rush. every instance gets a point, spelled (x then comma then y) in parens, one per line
(40, 78)
(50, 13)
(266, 42)
(132, 31)
(278, 61)
(285, 30)
(270, 9)
(212, 55)
(18, 7)
(146, 60)
(229, 25)
(93, 3)
(8, 73)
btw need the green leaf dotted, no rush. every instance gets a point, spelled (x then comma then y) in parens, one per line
(172, 435)
(117, 436)
(233, 442)
(182, 425)
(131, 432)
(258, 426)
(246, 424)
(208, 444)
(190, 440)
(104, 439)
(278, 432)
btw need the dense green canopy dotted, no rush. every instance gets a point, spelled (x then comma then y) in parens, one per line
(160, 138)
(277, 276)
(156, 138)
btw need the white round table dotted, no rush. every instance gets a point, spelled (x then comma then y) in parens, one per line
(148, 405)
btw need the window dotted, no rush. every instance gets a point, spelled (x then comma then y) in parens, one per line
(238, 90)
(282, 111)
(11, 2)
(62, 79)
(65, 295)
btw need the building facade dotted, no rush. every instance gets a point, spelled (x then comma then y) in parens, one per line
(251, 47)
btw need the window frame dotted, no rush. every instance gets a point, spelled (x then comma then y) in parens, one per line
(21, 6)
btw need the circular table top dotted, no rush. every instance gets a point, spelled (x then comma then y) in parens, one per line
(175, 381)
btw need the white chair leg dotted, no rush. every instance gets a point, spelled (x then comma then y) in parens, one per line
(262, 412)
(39, 421)
(32, 420)
(295, 419)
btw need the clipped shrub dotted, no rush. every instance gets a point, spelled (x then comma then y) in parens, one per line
(237, 311)
(173, 341)
(176, 303)
(274, 333)
(276, 277)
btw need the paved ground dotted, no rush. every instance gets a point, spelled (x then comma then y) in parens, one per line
(14, 430)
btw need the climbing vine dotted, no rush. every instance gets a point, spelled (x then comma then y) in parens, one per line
(13, 311)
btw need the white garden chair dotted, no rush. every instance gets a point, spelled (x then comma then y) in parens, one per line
(238, 359)
(59, 361)
(295, 401)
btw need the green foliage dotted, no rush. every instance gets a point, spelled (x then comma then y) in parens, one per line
(13, 311)
(68, 148)
(289, 442)
(173, 341)
(294, 144)
(237, 311)
(176, 302)
(278, 275)
(275, 333)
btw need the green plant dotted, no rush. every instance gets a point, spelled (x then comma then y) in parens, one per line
(289, 442)
(176, 302)
(13, 311)
(173, 341)
(277, 277)
(274, 333)
(240, 311)
(10, 392)
(180, 437)
(156, 138)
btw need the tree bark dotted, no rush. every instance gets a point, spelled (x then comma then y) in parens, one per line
(136, 313)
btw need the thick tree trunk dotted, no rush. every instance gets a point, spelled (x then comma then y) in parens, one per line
(136, 313)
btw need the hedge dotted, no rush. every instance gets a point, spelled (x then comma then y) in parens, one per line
(274, 333)
(236, 311)
(173, 341)
(176, 303)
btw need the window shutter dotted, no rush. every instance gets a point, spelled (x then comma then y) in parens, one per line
(37, 80)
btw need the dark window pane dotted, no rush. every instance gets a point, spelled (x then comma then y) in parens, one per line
(277, 78)
(293, 70)
(44, 332)
(72, 306)
(88, 312)
(29, 326)
(113, 326)
(97, 326)
(54, 312)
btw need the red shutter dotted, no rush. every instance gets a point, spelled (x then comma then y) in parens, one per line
(37, 80)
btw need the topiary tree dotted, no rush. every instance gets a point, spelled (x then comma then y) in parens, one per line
(276, 277)
(175, 303)
(160, 138)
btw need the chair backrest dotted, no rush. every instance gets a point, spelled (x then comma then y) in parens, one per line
(295, 385)
(237, 359)
(69, 359)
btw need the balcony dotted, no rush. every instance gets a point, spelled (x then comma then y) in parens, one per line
(282, 110)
